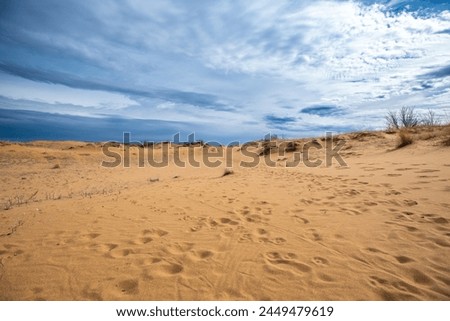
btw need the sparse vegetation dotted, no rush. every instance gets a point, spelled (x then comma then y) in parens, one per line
(18, 200)
(392, 120)
(407, 117)
(267, 147)
(227, 171)
(429, 118)
(52, 196)
(405, 139)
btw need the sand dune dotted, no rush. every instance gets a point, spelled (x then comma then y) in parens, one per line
(377, 229)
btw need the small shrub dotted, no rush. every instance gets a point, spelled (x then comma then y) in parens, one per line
(267, 148)
(408, 117)
(405, 118)
(227, 171)
(446, 142)
(405, 139)
(392, 121)
(429, 118)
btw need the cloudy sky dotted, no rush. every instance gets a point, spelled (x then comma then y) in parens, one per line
(226, 70)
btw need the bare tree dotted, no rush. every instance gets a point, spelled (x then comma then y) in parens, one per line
(430, 118)
(408, 117)
(392, 120)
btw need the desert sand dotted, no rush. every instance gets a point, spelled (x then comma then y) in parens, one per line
(377, 229)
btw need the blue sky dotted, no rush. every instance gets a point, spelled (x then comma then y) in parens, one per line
(226, 70)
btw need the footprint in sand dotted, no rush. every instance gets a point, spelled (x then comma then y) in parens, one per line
(104, 248)
(285, 261)
(164, 268)
(154, 232)
(262, 231)
(392, 192)
(410, 202)
(90, 236)
(278, 240)
(300, 219)
(119, 253)
(315, 235)
(246, 238)
(254, 218)
(403, 259)
(92, 294)
(144, 240)
(226, 220)
(178, 248)
(320, 261)
(148, 236)
(129, 286)
(202, 254)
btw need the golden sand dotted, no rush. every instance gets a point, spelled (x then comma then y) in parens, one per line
(377, 229)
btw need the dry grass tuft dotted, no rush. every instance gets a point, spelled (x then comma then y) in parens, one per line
(405, 139)
(227, 171)
(267, 148)
(446, 142)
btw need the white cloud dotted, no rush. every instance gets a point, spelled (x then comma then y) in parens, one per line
(257, 56)
(22, 89)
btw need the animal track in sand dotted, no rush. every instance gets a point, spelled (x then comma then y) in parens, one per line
(286, 260)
